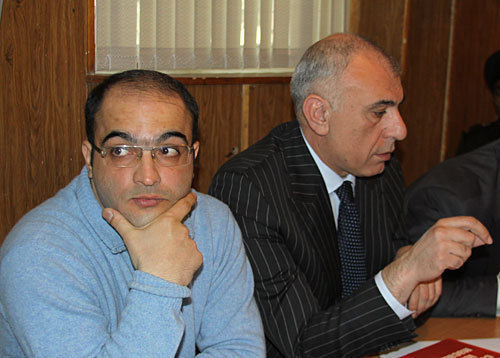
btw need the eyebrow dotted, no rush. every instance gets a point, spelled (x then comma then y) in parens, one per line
(384, 102)
(120, 134)
(176, 134)
(129, 138)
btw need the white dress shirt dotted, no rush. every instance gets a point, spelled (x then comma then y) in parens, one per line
(333, 181)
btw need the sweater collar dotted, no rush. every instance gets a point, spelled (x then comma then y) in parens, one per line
(92, 210)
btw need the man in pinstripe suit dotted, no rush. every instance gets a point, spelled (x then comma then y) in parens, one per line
(346, 94)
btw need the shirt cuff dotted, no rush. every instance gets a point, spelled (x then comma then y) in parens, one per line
(401, 311)
(498, 295)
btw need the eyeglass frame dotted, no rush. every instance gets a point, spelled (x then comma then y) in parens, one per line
(151, 149)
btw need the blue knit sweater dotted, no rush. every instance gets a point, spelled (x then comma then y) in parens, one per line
(68, 288)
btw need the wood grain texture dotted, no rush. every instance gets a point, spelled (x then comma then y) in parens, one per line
(381, 21)
(458, 328)
(44, 78)
(270, 105)
(476, 36)
(218, 128)
(424, 85)
(42, 66)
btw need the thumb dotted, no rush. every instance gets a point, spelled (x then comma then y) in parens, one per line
(478, 241)
(117, 221)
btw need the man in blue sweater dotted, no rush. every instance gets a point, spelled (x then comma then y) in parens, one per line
(128, 260)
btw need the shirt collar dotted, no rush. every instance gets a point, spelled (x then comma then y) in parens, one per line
(332, 180)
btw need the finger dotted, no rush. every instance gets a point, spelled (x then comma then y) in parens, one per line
(413, 301)
(439, 289)
(461, 251)
(478, 241)
(435, 292)
(431, 293)
(117, 221)
(183, 206)
(456, 235)
(423, 298)
(471, 224)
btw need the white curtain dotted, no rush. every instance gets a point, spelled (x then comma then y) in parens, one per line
(211, 36)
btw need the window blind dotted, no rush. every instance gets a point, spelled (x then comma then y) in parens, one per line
(211, 36)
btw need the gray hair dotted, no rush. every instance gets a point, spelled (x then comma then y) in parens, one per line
(323, 64)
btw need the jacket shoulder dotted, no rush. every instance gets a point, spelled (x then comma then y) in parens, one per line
(263, 151)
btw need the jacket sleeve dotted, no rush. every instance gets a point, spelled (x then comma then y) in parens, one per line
(467, 297)
(294, 323)
(423, 207)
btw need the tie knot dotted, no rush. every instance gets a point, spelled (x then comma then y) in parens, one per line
(344, 192)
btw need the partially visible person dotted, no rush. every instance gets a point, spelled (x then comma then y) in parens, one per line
(128, 260)
(465, 185)
(480, 134)
(326, 289)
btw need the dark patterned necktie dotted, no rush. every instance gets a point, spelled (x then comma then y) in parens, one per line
(350, 241)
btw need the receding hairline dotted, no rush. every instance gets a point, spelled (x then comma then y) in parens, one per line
(130, 88)
(351, 44)
(125, 89)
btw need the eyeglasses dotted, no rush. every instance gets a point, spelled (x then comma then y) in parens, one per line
(127, 156)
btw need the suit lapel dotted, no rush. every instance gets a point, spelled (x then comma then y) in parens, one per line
(371, 212)
(379, 202)
(312, 206)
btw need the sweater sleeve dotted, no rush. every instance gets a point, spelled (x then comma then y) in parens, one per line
(230, 324)
(50, 298)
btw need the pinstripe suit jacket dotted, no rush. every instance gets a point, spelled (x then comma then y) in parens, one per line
(279, 199)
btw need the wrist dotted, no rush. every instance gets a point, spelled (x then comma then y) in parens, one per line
(399, 280)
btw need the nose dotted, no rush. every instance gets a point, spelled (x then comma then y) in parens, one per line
(146, 172)
(396, 128)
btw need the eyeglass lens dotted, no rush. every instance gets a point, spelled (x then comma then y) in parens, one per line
(167, 156)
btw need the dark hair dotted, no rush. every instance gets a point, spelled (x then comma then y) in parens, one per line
(140, 80)
(492, 69)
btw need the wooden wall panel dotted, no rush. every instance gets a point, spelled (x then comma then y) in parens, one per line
(270, 105)
(382, 21)
(475, 38)
(424, 83)
(219, 128)
(42, 89)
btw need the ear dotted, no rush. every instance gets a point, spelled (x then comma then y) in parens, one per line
(315, 109)
(87, 154)
(196, 147)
